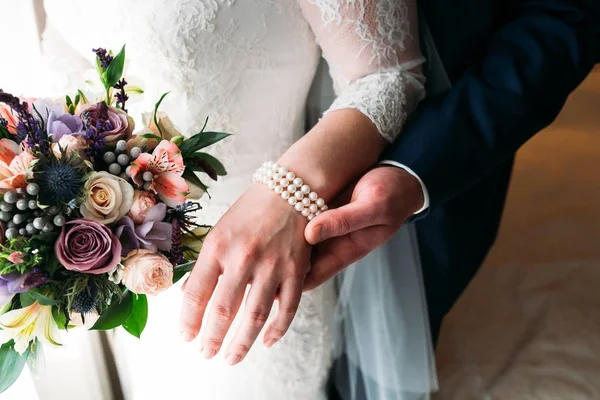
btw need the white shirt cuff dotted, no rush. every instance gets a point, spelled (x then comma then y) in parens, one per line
(410, 171)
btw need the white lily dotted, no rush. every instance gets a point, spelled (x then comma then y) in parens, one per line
(25, 324)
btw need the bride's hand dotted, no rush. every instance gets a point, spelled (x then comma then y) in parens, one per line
(258, 242)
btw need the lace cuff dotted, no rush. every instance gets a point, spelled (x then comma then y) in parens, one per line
(386, 98)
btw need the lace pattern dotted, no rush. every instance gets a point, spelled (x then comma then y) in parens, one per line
(370, 45)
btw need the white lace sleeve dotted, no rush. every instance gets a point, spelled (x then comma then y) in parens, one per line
(372, 48)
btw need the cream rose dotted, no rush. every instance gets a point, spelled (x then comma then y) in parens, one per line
(107, 198)
(147, 272)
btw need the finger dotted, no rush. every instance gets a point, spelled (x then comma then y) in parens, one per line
(258, 307)
(342, 221)
(338, 253)
(289, 300)
(226, 303)
(198, 290)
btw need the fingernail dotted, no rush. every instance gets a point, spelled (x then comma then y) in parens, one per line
(321, 233)
(270, 343)
(208, 353)
(187, 337)
(233, 359)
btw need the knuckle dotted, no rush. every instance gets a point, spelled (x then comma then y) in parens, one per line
(342, 224)
(215, 246)
(278, 332)
(195, 298)
(223, 312)
(257, 319)
(379, 190)
(288, 313)
(213, 342)
(241, 349)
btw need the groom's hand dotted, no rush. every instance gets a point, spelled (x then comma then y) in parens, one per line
(380, 203)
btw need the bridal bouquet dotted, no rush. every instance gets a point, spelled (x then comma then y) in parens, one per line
(93, 217)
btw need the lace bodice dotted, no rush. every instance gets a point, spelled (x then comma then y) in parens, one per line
(248, 66)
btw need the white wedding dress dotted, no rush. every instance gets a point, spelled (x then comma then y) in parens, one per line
(247, 65)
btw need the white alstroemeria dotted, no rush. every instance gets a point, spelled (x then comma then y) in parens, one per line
(25, 324)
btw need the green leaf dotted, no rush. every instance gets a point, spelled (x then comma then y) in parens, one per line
(200, 141)
(68, 100)
(136, 322)
(114, 72)
(101, 71)
(26, 299)
(156, 112)
(133, 89)
(59, 318)
(180, 270)
(151, 136)
(204, 126)
(84, 99)
(11, 364)
(116, 314)
(216, 164)
(43, 300)
(190, 176)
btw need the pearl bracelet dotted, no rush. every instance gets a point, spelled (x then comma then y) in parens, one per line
(290, 188)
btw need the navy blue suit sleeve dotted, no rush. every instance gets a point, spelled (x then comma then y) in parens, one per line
(513, 90)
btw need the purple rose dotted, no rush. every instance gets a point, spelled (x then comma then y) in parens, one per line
(122, 125)
(66, 124)
(87, 246)
(152, 234)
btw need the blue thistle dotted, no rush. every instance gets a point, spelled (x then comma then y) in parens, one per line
(61, 179)
(86, 301)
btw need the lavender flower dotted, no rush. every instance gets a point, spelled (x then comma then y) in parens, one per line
(121, 95)
(153, 234)
(104, 57)
(28, 128)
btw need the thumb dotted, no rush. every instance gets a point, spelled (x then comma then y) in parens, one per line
(341, 221)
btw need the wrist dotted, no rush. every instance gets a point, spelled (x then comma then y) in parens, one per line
(411, 188)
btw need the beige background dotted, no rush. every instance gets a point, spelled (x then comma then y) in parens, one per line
(528, 327)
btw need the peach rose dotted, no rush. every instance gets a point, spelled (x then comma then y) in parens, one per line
(147, 272)
(142, 203)
(107, 198)
(70, 143)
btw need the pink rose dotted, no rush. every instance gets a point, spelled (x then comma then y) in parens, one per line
(147, 272)
(142, 203)
(87, 246)
(70, 143)
(16, 257)
(122, 124)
